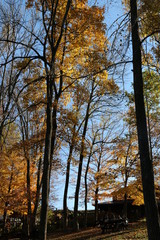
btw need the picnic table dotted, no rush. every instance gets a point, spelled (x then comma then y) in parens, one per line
(113, 224)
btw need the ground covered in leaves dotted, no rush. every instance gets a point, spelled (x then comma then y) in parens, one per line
(134, 231)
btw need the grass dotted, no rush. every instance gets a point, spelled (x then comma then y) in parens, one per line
(137, 234)
(134, 231)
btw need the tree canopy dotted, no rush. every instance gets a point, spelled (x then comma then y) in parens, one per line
(66, 114)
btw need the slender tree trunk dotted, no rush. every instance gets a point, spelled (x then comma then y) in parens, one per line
(97, 185)
(79, 178)
(151, 209)
(25, 133)
(149, 129)
(81, 160)
(86, 189)
(37, 195)
(51, 109)
(125, 199)
(65, 215)
(85, 179)
(126, 178)
(54, 130)
(96, 204)
(46, 164)
(49, 150)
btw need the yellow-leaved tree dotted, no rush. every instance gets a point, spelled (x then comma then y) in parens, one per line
(73, 46)
(12, 184)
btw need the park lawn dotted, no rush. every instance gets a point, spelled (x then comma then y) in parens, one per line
(136, 234)
(134, 231)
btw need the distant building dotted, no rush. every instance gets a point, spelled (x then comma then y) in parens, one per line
(116, 207)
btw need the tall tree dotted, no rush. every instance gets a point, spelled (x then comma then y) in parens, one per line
(91, 147)
(12, 185)
(32, 131)
(152, 215)
(51, 105)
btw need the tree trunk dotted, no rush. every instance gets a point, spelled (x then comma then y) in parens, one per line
(33, 219)
(151, 209)
(46, 164)
(97, 185)
(54, 131)
(149, 129)
(96, 204)
(126, 178)
(25, 136)
(51, 112)
(81, 160)
(65, 215)
(79, 179)
(86, 188)
(85, 179)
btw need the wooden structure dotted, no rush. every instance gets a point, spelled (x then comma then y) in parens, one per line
(115, 207)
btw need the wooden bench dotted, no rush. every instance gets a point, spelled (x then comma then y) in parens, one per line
(113, 224)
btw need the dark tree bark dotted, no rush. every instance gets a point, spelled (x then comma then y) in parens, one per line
(97, 184)
(51, 107)
(39, 184)
(54, 128)
(96, 200)
(149, 129)
(81, 159)
(151, 209)
(85, 180)
(65, 215)
(126, 181)
(46, 164)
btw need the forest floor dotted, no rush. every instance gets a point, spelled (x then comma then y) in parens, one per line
(134, 231)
